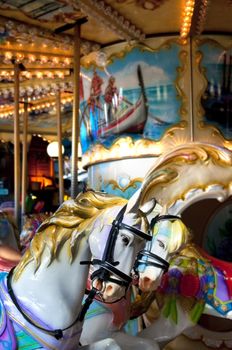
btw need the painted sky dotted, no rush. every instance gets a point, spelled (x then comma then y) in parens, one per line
(156, 68)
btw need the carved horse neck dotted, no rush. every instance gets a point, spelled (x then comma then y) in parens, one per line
(54, 293)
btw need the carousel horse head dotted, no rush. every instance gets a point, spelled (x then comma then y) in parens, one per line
(123, 233)
(169, 234)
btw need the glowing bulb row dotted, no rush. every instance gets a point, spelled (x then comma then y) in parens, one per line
(36, 74)
(187, 18)
(39, 108)
(32, 58)
(37, 91)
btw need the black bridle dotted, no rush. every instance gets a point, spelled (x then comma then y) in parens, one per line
(107, 263)
(152, 259)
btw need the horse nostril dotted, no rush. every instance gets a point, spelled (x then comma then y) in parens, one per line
(146, 283)
(98, 284)
(109, 290)
(146, 279)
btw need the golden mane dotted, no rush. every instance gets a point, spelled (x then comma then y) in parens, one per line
(72, 219)
(179, 234)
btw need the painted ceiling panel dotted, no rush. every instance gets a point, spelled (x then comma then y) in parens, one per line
(41, 9)
(152, 16)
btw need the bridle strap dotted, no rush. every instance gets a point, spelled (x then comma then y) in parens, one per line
(57, 333)
(149, 263)
(158, 261)
(88, 301)
(158, 218)
(136, 231)
(109, 267)
(154, 256)
(109, 247)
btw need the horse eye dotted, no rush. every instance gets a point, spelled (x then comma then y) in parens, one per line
(161, 244)
(125, 240)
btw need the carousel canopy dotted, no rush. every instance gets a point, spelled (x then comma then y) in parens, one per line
(38, 35)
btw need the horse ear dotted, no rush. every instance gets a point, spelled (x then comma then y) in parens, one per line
(148, 207)
(151, 209)
(133, 203)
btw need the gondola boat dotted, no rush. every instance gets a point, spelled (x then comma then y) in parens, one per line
(128, 119)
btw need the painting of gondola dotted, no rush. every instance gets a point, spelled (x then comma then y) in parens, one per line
(135, 96)
(217, 98)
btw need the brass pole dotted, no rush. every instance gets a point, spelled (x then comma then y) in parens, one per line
(24, 162)
(75, 117)
(60, 156)
(17, 173)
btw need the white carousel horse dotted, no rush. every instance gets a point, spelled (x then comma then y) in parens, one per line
(195, 283)
(41, 298)
(175, 187)
(170, 181)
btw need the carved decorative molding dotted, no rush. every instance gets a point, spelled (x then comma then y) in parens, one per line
(146, 4)
(132, 183)
(210, 338)
(169, 181)
(24, 34)
(201, 17)
(109, 17)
